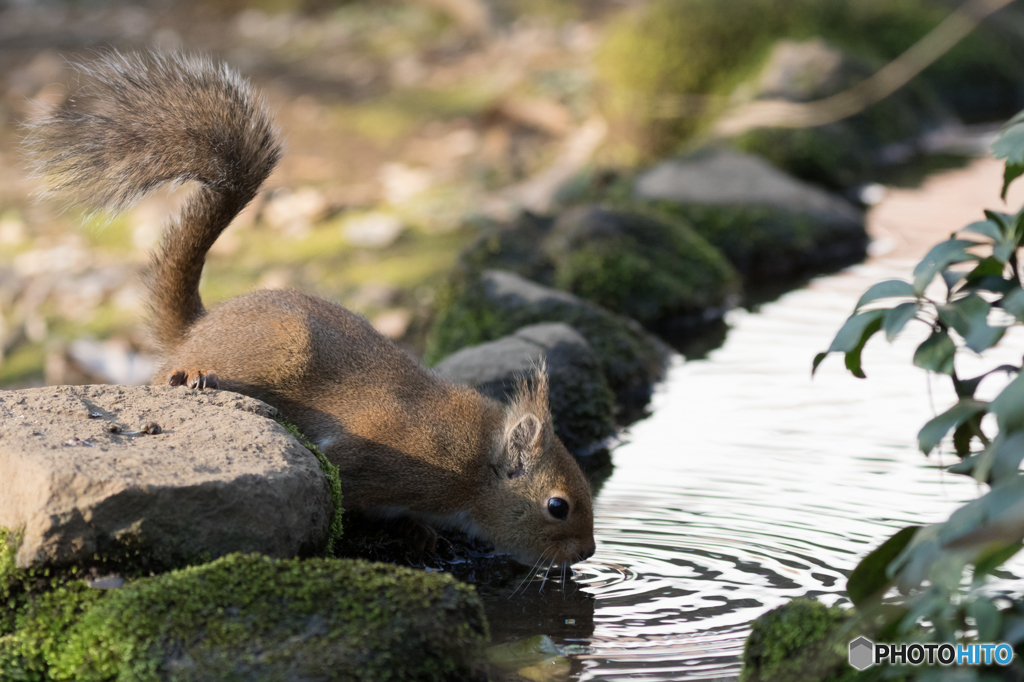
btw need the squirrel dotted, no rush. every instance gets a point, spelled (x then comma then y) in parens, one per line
(406, 442)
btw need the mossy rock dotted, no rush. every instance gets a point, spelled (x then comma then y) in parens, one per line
(474, 307)
(802, 641)
(249, 617)
(652, 267)
(770, 225)
(582, 404)
(764, 243)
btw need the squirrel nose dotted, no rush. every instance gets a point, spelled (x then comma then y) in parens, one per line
(588, 552)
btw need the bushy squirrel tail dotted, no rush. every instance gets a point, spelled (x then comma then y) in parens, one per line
(146, 120)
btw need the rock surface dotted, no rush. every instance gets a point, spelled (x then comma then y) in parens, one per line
(582, 404)
(767, 223)
(249, 617)
(477, 307)
(219, 477)
(720, 177)
(647, 265)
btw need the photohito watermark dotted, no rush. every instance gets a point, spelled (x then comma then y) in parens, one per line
(864, 653)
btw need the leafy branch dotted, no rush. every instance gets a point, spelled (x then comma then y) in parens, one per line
(967, 290)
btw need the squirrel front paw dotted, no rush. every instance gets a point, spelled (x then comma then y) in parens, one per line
(194, 378)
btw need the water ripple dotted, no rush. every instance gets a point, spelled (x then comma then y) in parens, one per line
(749, 485)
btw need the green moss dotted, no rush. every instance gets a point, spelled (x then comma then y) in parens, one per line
(653, 267)
(833, 156)
(333, 481)
(764, 243)
(802, 641)
(251, 617)
(634, 261)
(465, 316)
(41, 628)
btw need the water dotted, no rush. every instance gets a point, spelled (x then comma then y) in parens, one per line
(750, 484)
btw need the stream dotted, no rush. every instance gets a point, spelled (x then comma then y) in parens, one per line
(750, 484)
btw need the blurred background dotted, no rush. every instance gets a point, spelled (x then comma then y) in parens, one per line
(413, 124)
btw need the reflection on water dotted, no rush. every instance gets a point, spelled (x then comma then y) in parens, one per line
(749, 485)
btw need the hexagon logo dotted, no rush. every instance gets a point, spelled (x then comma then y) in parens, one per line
(862, 653)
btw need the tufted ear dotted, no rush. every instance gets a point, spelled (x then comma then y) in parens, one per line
(520, 444)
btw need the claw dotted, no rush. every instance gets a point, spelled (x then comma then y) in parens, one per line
(194, 378)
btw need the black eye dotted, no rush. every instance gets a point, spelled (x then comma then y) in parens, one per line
(558, 508)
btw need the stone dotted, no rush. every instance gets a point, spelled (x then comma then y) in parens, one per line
(80, 477)
(768, 223)
(648, 265)
(722, 177)
(373, 230)
(474, 307)
(295, 213)
(801, 641)
(250, 617)
(582, 404)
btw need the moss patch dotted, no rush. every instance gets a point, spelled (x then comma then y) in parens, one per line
(802, 641)
(634, 261)
(763, 242)
(251, 617)
(337, 528)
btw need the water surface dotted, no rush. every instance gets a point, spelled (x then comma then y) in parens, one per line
(748, 485)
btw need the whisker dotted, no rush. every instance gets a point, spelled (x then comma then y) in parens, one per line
(530, 574)
(542, 582)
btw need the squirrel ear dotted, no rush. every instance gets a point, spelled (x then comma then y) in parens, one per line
(520, 440)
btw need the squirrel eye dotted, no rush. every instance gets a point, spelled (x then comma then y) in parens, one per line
(558, 508)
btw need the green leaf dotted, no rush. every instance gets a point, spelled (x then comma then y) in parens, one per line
(995, 518)
(852, 335)
(938, 259)
(964, 467)
(953, 277)
(897, 318)
(1013, 303)
(986, 267)
(936, 429)
(1008, 406)
(1011, 173)
(888, 289)
(964, 433)
(1010, 145)
(853, 356)
(992, 559)
(986, 228)
(936, 353)
(969, 317)
(869, 578)
(986, 618)
(1004, 220)
(1008, 453)
(965, 388)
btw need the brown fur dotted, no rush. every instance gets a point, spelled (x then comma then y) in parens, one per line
(406, 442)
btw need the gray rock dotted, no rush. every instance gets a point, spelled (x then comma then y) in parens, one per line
(79, 476)
(769, 225)
(478, 307)
(637, 262)
(722, 177)
(582, 404)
